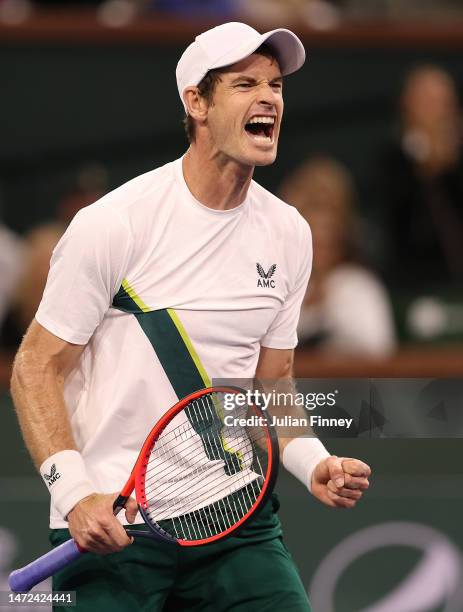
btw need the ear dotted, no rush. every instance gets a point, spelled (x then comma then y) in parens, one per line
(196, 105)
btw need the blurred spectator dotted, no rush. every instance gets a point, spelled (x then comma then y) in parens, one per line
(401, 10)
(346, 308)
(318, 14)
(67, 3)
(40, 243)
(197, 8)
(90, 185)
(11, 262)
(421, 185)
(11, 257)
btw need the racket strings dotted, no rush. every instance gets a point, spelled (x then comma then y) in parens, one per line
(162, 452)
(203, 477)
(202, 425)
(179, 459)
(213, 487)
(185, 454)
(214, 518)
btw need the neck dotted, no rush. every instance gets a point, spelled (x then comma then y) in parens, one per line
(215, 180)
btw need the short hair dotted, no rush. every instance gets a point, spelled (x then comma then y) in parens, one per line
(206, 88)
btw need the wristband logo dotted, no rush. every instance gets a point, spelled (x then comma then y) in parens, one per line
(53, 476)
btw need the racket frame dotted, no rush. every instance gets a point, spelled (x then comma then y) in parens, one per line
(136, 480)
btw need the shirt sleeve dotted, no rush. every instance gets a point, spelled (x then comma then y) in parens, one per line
(282, 333)
(86, 270)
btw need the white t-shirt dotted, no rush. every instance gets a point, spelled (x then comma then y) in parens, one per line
(167, 294)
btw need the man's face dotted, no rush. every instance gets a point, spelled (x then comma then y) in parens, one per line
(245, 114)
(430, 98)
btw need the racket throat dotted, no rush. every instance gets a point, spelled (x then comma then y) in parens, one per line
(119, 503)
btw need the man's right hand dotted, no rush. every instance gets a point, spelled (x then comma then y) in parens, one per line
(95, 528)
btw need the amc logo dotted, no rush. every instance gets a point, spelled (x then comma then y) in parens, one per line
(265, 279)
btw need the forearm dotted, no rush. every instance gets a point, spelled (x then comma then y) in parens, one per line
(280, 401)
(37, 391)
(300, 449)
(274, 375)
(302, 453)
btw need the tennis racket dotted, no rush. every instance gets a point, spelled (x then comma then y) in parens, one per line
(201, 475)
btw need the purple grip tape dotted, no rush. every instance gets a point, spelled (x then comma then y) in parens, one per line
(23, 579)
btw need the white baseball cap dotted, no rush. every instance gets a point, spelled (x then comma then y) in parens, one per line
(231, 42)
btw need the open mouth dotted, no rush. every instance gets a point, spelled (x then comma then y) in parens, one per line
(261, 128)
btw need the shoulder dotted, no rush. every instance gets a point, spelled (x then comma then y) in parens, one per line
(117, 210)
(280, 213)
(96, 221)
(139, 191)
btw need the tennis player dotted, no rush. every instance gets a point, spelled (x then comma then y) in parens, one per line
(153, 291)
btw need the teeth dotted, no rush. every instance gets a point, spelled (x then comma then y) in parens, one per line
(270, 120)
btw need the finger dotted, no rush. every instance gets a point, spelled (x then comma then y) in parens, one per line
(131, 510)
(335, 470)
(103, 549)
(99, 549)
(353, 482)
(343, 492)
(113, 534)
(112, 499)
(121, 538)
(354, 467)
(97, 541)
(340, 502)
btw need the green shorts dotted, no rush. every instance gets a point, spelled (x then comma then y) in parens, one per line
(249, 572)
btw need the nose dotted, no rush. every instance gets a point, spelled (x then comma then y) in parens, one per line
(266, 94)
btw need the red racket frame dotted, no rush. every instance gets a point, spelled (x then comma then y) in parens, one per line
(136, 480)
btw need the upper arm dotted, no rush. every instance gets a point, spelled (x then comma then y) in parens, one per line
(274, 363)
(86, 270)
(282, 331)
(41, 350)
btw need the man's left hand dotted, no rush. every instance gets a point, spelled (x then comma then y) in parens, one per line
(339, 482)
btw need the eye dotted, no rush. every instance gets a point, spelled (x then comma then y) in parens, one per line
(277, 86)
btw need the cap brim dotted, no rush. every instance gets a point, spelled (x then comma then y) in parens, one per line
(288, 48)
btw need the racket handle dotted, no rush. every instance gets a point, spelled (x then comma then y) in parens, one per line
(23, 579)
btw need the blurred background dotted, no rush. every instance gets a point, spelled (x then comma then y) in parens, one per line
(371, 155)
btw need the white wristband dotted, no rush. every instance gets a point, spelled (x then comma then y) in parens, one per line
(66, 478)
(301, 456)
